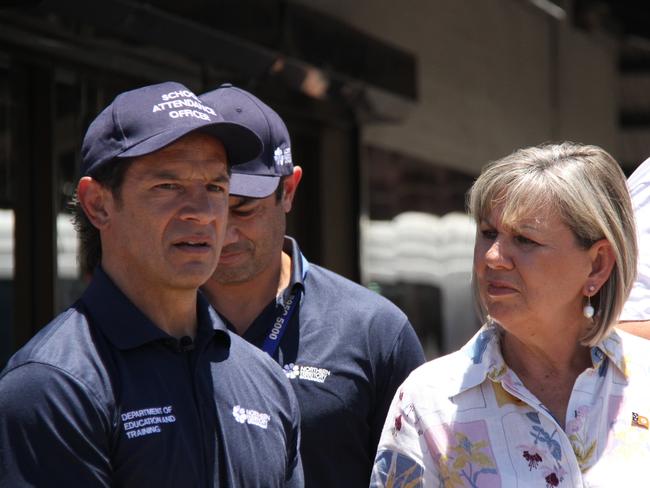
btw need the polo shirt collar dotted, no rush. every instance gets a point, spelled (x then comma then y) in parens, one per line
(256, 332)
(126, 327)
(299, 265)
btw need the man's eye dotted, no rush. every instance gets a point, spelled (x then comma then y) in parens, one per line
(217, 188)
(242, 213)
(168, 186)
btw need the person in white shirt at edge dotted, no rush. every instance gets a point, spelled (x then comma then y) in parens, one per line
(635, 317)
(547, 393)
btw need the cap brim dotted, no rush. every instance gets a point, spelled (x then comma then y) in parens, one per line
(241, 143)
(252, 186)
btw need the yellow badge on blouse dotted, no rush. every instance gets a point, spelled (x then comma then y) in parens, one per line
(640, 421)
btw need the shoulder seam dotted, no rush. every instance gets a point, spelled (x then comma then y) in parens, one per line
(57, 368)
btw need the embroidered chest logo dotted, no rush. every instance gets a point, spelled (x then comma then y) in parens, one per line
(250, 416)
(147, 421)
(309, 373)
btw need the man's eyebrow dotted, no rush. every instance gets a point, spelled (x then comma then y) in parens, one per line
(170, 175)
(164, 175)
(223, 177)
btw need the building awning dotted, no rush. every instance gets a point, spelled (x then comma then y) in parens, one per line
(309, 50)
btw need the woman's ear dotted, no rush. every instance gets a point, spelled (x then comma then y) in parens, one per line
(602, 263)
(95, 200)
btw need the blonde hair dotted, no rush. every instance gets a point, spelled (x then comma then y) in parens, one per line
(587, 187)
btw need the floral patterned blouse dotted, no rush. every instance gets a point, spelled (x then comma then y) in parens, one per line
(466, 420)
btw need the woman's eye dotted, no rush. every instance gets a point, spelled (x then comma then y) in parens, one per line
(490, 234)
(524, 240)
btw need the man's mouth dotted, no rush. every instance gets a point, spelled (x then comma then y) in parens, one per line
(225, 256)
(193, 244)
(233, 253)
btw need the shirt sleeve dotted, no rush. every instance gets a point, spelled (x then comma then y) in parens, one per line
(637, 306)
(406, 355)
(295, 475)
(399, 461)
(52, 432)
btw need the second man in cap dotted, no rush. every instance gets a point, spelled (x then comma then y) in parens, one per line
(344, 348)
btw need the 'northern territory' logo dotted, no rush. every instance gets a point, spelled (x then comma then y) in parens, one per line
(282, 157)
(309, 373)
(250, 416)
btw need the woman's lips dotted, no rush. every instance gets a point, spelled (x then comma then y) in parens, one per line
(497, 288)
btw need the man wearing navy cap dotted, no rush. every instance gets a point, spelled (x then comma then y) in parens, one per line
(344, 348)
(139, 383)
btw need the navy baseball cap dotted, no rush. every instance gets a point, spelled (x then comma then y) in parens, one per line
(259, 177)
(141, 121)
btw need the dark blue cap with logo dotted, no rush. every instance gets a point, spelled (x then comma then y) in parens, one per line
(257, 178)
(144, 120)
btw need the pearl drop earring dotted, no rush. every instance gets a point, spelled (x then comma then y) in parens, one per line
(588, 310)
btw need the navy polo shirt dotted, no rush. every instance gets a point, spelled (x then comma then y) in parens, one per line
(346, 350)
(102, 397)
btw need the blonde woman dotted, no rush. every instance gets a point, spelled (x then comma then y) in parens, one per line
(547, 393)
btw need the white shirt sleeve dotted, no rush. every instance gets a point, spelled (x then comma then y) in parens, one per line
(637, 306)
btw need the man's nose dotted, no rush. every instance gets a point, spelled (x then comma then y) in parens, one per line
(200, 206)
(232, 233)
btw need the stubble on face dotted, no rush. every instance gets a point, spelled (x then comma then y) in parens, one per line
(169, 222)
(259, 226)
(250, 264)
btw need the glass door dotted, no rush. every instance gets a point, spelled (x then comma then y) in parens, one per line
(7, 185)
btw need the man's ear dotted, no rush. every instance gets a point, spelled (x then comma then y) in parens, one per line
(95, 200)
(602, 263)
(291, 183)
